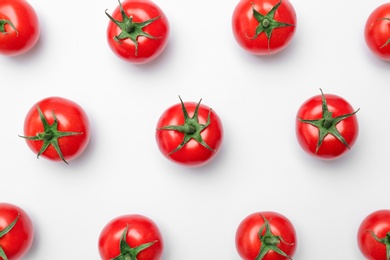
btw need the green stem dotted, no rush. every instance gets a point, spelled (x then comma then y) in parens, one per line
(265, 23)
(129, 26)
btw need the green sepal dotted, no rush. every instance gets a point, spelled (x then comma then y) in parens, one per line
(4, 232)
(327, 124)
(269, 242)
(267, 23)
(388, 41)
(127, 252)
(2, 254)
(131, 29)
(191, 128)
(385, 240)
(50, 135)
(3, 22)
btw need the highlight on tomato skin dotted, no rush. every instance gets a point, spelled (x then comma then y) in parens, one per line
(19, 27)
(189, 134)
(377, 32)
(326, 126)
(57, 129)
(264, 27)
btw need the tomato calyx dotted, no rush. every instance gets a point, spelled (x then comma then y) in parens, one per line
(384, 240)
(50, 135)
(3, 22)
(191, 128)
(131, 29)
(269, 241)
(327, 124)
(4, 232)
(267, 23)
(130, 253)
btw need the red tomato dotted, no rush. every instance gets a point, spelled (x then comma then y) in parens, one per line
(377, 31)
(264, 27)
(131, 237)
(374, 236)
(16, 232)
(189, 133)
(266, 236)
(138, 31)
(326, 126)
(57, 129)
(19, 27)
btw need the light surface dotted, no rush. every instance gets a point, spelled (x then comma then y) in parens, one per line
(260, 167)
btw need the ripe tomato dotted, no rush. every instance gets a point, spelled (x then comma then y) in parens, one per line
(57, 129)
(189, 133)
(266, 236)
(326, 126)
(374, 235)
(131, 237)
(19, 27)
(263, 27)
(138, 31)
(377, 31)
(16, 232)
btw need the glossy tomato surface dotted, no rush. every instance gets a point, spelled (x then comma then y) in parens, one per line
(276, 243)
(134, 231)
(193, 153)
(308, 135)
(15, 242)
(377, 31)
(72, 123)
(264, 27)
(21, 27)
(149, 30)
(376, 226)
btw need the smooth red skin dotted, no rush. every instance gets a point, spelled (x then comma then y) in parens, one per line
(71, 118)
(141, 230)
(248, 242)
(377, 32)
(25, 19)
(307, 134)
(379, 223)
(192, 154)
(18, 240)
(244, 26)
(148, 49)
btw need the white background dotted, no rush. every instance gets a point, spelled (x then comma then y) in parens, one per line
(260, 167)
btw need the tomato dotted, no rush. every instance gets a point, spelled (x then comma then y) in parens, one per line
(57, 129)
(326, 126)
(264, 27)
(266, 236)
(19, 27)
(374, 235)
(377, 32)
(16, 232)
(189, 133)
(138, 31)
(131, 237)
